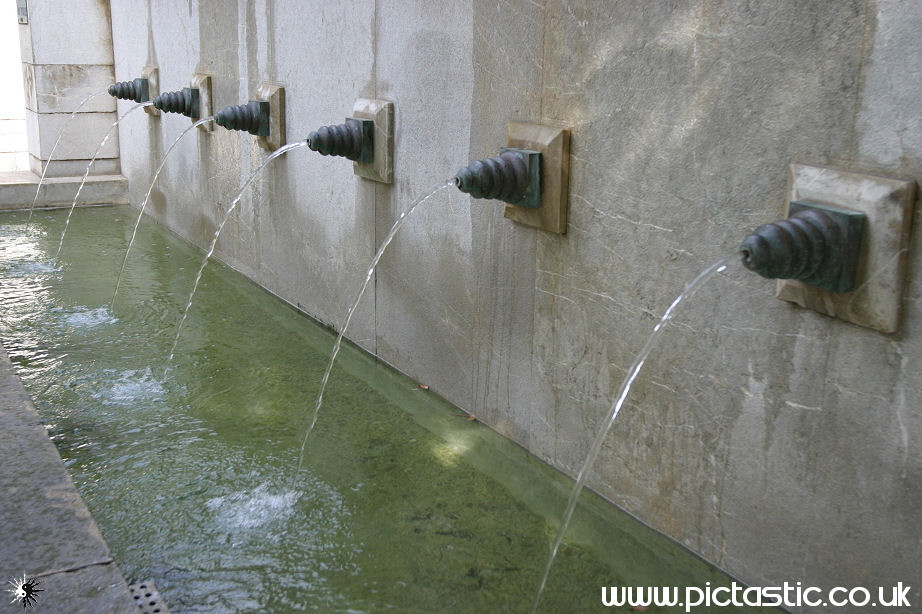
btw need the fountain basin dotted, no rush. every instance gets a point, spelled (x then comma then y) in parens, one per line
(405, 503)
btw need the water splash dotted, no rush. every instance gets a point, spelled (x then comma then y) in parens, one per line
(605, 427)
(214, 241)
(118, 280)
(54, 147)
(90, 165)
(339, 339)
(84, 318)
(129, 388)
(254, 508)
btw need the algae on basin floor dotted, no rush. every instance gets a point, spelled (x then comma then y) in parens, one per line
(190, 471)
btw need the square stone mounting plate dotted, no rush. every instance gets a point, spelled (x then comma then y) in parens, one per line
(888, 204)
(381, 112)
(203, 83)
(152, 74)
(275, 95)
(554, 145)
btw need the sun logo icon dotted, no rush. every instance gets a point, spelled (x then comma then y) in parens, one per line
(24, 591)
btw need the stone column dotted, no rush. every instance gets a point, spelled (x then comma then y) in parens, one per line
(67, 56)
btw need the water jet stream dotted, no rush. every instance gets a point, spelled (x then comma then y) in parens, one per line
(53, 148)
(214, 241)
(88, 166)
(118, 280)
(339, 339)
(596, 446)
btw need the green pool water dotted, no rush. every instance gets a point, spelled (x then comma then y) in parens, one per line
(190, 471)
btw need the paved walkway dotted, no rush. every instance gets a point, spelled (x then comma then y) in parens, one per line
(46, 531)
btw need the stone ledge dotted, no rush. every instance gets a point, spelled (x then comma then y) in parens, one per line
(45, 528)
(17, 190)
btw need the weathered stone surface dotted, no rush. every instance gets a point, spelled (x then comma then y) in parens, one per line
(67, 56)
(61, 88)
(17, 190)
(80, 139)
(97, 589)
(77, 34)
(46, 531)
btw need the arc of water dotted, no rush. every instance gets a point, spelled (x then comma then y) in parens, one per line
(605, 427)
(90, 165)
(214, 241)
(118, 280)
(342, 332)
(54, 147)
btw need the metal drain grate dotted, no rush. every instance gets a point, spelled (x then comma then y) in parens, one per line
(148, 599)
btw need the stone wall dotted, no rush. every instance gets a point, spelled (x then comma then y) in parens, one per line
(66, 57)
(775, 442)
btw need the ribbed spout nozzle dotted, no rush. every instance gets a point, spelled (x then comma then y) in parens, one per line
(185, 101)
(136, 90)
(252, 117)
(353, 140)
(816, 245)
(512, 177)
